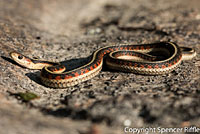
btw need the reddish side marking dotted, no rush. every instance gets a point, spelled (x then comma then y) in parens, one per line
(142, 66)
(76, 74)
(128, 54)
(95, 66)
(111, 49)
(163, 66)
(98, 63)
(174, 62)
(86, 70)
(156, 66)
(60, 69)
(68, 76)
(101, 55)
(28, 60)
(169, 64)
(91, 68)
(149, 66)
(137, 48)
(142, 47)
(82, 70)
(135, 65)
(58, 78)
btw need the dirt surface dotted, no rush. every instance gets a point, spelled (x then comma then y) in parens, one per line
(70, 30)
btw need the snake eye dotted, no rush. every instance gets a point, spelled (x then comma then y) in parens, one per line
(20, 57)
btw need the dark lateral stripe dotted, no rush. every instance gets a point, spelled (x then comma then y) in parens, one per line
(101, 53)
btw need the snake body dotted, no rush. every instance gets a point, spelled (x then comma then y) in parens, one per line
(148, 59)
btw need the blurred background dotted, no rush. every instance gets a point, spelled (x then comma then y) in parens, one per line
(62, 30)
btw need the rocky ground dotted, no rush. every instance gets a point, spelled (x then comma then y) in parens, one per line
(70, 30)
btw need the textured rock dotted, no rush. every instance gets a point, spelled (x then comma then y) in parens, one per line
(69, 31)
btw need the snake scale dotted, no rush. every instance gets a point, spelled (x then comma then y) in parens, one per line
(149, 59)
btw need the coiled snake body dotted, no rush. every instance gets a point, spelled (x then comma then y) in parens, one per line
(148, 59)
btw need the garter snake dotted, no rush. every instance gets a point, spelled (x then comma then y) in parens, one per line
(148, 59)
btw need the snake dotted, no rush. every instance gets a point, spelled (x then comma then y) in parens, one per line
(147, 59)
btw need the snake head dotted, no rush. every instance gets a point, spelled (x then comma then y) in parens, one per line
(21, 59)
